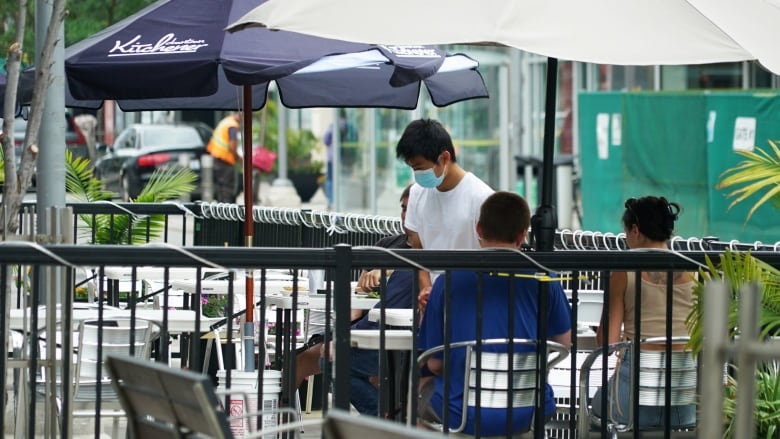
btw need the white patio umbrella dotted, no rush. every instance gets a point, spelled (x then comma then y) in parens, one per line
(633, 32)
(753, 24)
(622, 32)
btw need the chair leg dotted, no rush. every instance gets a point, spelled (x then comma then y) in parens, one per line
(298, 407)
(309, 393)
(612, 430)
(115, 427)
(207, 355)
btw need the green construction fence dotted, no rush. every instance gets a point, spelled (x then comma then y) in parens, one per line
(675, 145)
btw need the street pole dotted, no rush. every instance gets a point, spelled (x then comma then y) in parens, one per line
(50, 174)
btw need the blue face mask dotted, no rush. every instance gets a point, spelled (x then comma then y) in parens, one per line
(427, 178)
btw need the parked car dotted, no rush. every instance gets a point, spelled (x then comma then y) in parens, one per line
(75, 141)
(139, 149)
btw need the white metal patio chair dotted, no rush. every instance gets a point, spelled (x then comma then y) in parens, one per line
(652, 384)
(118, 337)
(494, 371)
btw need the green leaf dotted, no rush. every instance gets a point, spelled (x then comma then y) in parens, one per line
(80, 181)
(165, 184)
(758, 174)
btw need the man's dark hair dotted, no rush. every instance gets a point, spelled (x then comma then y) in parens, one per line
(426, 138)
(503, 216)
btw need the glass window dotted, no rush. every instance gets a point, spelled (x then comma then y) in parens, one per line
(715, 76)
(632, 78)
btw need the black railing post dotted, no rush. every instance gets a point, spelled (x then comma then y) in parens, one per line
(341, 305)
(306, 233)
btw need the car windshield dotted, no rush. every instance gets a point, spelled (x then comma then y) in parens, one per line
(168, 136)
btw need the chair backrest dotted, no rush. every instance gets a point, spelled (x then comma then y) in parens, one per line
(162, 402)
(99, 339)
(652, 378)
(495, 370)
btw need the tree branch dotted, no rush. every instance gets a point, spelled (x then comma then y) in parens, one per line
(16, 185)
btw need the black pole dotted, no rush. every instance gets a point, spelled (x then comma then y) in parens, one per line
(544, 222)
(341, 304)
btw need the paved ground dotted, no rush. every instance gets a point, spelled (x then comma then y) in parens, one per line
(83, 428)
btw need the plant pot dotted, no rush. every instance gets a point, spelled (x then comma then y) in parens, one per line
(305, 184)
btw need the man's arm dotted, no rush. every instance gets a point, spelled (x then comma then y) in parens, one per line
(435, 366)
(424, 276)
(564, 339)
(371, 279)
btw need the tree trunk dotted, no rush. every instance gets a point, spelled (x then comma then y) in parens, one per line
(18, 181)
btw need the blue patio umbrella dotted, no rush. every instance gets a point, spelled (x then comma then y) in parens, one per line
(175, 54)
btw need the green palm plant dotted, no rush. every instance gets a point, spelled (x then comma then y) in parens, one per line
(759, 172)
(738, 269)
(767, 410)
(165, 184)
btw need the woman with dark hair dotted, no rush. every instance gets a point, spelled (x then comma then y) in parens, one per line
(648, 223)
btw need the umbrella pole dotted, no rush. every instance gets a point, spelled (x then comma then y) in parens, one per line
(545, 221)
(249, 327)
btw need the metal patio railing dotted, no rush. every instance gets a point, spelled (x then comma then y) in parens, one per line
(340, 262)
(590, 256)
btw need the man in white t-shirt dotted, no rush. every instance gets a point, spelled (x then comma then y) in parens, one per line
(445, 201)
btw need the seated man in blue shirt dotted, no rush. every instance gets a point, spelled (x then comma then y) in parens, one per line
(503, 222)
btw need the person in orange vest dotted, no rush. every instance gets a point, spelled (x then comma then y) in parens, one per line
(223, 147)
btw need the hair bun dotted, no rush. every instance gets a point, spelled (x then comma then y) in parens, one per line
(671, 211)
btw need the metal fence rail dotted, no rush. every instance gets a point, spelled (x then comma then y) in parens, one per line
(298, 239)
(339, 261)
(221, 224)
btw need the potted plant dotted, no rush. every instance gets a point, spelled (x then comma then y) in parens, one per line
(305, 172)
(81, 185)
(213, 305)
(304, 168)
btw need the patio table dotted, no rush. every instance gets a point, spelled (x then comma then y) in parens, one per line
(179, 320)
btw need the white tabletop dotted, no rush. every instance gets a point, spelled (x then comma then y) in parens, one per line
(154, 273)
(179, 320)
(588, 295)
(316, 301)
(239, 286)
(181, 273)
(395, 339)
(403, 318)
